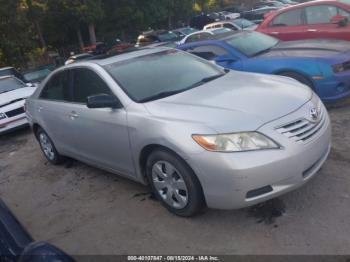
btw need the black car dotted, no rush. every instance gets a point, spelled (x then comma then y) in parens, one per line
(257, 15)
(11, 71)
(156, 36)
(16, 244)
(202, 20)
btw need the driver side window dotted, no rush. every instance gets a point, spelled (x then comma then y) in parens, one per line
(87, 83)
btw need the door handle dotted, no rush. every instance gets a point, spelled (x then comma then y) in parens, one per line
(312, 30)
(274, 33)
(73, 115)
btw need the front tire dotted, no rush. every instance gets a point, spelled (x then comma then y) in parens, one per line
(174, 184)
(48, 148)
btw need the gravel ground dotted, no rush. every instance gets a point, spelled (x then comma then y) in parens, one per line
(87, 211)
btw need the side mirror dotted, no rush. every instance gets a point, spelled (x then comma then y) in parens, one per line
(103, 101)
(225, 59)
(339, 20)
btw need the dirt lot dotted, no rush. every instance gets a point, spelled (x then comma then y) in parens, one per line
(87, 211)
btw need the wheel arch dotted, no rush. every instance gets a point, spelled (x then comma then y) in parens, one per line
(294, 71)
(35, 128)
(148, 150)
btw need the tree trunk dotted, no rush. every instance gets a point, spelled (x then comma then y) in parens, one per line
(40, 34)
(80, 39)
(92, 34)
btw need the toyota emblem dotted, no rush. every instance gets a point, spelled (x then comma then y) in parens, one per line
(314, 114)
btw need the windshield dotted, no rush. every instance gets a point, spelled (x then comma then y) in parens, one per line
(252, 43)
(169, 36)
(243, 23)
(37, 75)
(161, 74)
(9, 84)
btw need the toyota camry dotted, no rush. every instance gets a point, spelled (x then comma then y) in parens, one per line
(199, 135)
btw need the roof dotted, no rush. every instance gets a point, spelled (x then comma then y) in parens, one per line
(5, 77)
(123, 57)
(6, 68)
(311, 3)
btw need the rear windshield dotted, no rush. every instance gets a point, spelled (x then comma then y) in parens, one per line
(145, 78)
(37, 75)
(9, 84)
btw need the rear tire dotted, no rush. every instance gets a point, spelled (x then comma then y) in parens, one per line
(302, 79)
(174, 184)
(48, 148)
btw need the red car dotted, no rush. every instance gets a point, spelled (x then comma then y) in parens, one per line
(316, 19)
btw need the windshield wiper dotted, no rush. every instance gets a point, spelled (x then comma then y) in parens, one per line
(207, 79)
(7, 91)
(174, 92)
(160, 95)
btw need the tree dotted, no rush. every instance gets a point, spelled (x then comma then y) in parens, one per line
(35, 12)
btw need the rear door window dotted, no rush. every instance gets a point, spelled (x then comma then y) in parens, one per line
(322, 14)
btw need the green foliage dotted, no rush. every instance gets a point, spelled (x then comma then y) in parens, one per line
(26, 25)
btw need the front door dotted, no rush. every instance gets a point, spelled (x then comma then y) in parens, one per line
(99, 136)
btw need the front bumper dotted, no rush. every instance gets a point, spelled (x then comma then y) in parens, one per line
(17, 118)
(333, 88)
(236, 180)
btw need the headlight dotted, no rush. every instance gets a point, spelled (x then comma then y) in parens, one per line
(237, 142)
(338, 68)
(2, 116)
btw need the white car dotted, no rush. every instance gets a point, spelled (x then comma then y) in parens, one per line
(203, 35)
(13, 93)
(234, 24)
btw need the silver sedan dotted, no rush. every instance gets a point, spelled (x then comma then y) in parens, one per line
(197, 134)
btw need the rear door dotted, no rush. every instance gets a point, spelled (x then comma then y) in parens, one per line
(51, 110)
(318, 19)
(287, 26)
(99, 136)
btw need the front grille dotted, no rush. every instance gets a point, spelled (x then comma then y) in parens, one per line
(15, 112)
(12, 102)
(303, 130)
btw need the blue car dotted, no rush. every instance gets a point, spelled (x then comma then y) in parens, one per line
(323, 65)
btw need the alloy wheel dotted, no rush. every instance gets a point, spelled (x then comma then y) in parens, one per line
(47, 146)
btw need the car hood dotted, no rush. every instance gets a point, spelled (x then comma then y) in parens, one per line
(11, 96)
(235, 102)
(310, 48)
